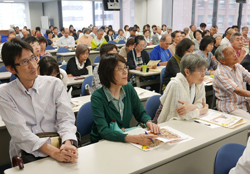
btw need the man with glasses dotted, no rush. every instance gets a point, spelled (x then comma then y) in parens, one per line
(229, 83)
(236, 41)
(33, 105)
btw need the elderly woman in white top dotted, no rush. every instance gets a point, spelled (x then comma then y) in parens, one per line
(184, 96)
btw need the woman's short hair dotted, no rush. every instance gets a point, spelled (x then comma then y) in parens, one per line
(31, 39)
(120, 31)
(138, 39)
(42, 39)
(110, 31)
(130, 41)
(145, 30)
(199, 31)
(183, 33)
(107, 67)
(192, 62)
(48, 32)
(205, 41)
(86, 30)
(105, 48)
(205, 32)
(125, 27)
(183, 46)
(81, 49)
(48, 65)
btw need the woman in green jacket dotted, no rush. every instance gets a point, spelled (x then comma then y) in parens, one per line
(118, 100)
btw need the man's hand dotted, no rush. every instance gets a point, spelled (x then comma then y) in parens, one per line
(68, 150)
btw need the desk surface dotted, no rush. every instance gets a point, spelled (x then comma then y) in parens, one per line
(150, 73)
(108, 157)
(72, 81)
(5, 75)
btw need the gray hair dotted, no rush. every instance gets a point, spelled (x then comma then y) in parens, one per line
(100, 30)
(192, 62)
(219, 55)
(243, 28)
(86, 30)
(217, 35)
(233, 36)
(229, 31)
(164, 37)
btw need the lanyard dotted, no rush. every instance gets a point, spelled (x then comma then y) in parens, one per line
(134, 57)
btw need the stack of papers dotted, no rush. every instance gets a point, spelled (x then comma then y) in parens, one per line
(208, 80)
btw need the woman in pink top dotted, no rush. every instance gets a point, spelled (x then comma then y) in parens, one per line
(86, 38)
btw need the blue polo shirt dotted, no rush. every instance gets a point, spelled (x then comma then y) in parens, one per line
(158, 53)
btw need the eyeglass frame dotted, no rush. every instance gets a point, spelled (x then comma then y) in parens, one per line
(123, 69)
(33, 58)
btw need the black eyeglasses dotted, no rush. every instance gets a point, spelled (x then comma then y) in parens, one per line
(25, 62)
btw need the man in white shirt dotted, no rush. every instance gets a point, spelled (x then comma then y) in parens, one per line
(66, 40)
(94, 32)
(34, 104)
(156, 38)
(191, 32)
(226, 40)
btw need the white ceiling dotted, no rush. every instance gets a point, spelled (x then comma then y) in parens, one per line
(42, 0)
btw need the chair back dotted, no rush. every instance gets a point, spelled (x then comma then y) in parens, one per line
(49, 47)
(64, 67)
(12, 77)
(112, 42)
(152, 105)
(121, 42)
(62, 50)
(227, 157)
(97, 59)
(88, 80)
(162, 75)
(3, 38)
(115, 36)
(85, 119)
(3, 69)
(46, 36)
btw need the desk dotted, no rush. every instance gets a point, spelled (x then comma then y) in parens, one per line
(5, 75)
(149, 48)
(106, 157)
(138, 74)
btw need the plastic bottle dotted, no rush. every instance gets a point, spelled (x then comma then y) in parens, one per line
(64, 62)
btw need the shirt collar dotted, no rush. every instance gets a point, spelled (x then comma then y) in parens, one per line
(78, 64)
(35, 85)
(110, 97)
(229, 68)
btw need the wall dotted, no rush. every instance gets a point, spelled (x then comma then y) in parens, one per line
(140, 13)
(51, 10)
(36, 12)
(154, 12)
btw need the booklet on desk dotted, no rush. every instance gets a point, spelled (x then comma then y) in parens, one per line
(222, 119)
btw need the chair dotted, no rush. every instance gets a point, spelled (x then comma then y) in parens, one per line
(46, 36)
(85, 119)
(121, 42)
(3, 69)
(152, 105)
(112, 42)
(162, 75)
(12, 77)
(62, 50)
(86, 81)
(64, 67)
(115, 36)
(49, 47)
(227, 157)
(97, 59)
(214, 102)
(3, 38)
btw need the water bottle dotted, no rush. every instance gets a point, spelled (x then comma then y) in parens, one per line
(64, 62)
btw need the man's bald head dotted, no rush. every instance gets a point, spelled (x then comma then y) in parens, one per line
(66, 32)
(158, 29)
(25, 33)
(165, 41)
(11, 36)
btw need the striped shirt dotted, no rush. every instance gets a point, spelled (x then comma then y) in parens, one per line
(45, 107)
(225, 82)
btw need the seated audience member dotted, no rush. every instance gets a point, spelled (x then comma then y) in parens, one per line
(43, 44)
(55, 31)
(183, 35)
(197, 39)
(191, 32)
(126, 31)
(109, 36)
(33, 41)
(161, 51)
(34, 104)
(93, 34)
(74, 34)
(19, 34)
(173, 66)
(138, 56)
(10, 36)
(229, 83)
(50, 37)
(71, 33)
(118, 100)
(66, 40)
(186, 30)
(176, 36)
(62, 32)
(98, 41)
(51, 27)
(85, 38)
(206, 46)
(154, 28)
(71, 27)
(203, 27)
(25, 34)
(132, 31)
(246, 39)
(48, 66)
(157, 36)
(38, 33)
(164, 29)
(236, 28)
(206, 33)
(137, 33)
(169, 30)
(121, 36)
(226, 39)
(213, 30)
(246, 64)
(105, 49)
(147, 38)
(184, 97)
(236, 41)
(218, 39)
(78, 65)
(130, 44)
(78, 33)
(11, 30)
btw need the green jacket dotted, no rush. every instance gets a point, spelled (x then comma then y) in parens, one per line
(104, 112)
(94, 43)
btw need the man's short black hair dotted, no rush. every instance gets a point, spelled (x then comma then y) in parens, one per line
(183, 46)
(173, 34)
(205, 41)
(235, 26)
(107, 67)
(62, 29)
(54, 28)
(12, 50)
(105, 48)
(205, 32)
(191, 26)
(203, 25)
(51, 26)
(31, 39)
(38, 29)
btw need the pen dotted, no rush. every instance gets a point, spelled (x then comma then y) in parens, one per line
(202, 123)
(150, 138)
